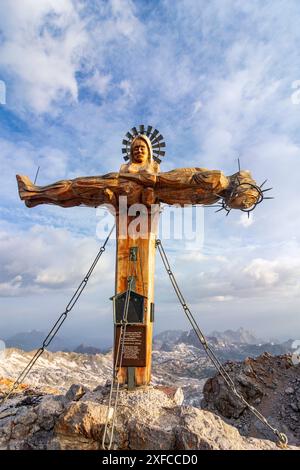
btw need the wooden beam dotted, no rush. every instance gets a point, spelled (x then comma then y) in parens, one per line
(143, 271)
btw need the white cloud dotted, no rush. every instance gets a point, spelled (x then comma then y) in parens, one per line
(241, 275)
(279, 275)
(263, 271)
(246, 221)
(126, 87)
(53, 259)
(43, 45)
(46, 43)
(98, 82)
(12, 287)
(125, 19)
(221, 298)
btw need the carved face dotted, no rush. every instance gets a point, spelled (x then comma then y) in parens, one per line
(140, 151)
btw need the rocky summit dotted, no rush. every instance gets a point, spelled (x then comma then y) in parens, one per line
(271, 384)
(149, 418)
(49, 412)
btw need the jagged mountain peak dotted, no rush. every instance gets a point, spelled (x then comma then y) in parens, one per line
(239, 336)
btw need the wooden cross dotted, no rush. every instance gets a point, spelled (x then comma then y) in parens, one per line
(140, 181)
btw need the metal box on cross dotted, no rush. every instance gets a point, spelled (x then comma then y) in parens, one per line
(136, 310)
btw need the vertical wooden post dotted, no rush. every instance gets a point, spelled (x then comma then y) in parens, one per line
(143, 271)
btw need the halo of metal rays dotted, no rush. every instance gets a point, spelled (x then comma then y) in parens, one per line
(156, 139)
(223, 205)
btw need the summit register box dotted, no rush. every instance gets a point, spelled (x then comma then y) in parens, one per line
(136, 310)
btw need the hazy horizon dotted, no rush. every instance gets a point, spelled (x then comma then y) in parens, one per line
(106, 342)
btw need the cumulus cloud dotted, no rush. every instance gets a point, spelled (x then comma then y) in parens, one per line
(53, 259)
(11, 287)
(263, 272)
(42, 47)
(207, 279)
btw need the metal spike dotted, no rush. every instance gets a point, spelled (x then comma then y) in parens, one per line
(158, 160)
(142, 128)
(130, 136)
(126, 158)
(239, 165)
(134, 131)
(263, 183)
(36, 175)
(149, 130)
(160, 145)
(269, 197)
(124, 150)
(153, 136)
(227, 212)
(220, 209)
(161, 153)
(125, 142)
(156, 142)
(265, 190)
(159, 138)
(248, 214)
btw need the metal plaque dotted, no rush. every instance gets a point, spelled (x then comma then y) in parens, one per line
(134, 354)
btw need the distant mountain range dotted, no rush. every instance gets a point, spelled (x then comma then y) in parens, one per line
(240, 336)
(29, 340)
(178, 359)
(230, 344)
(237, 337)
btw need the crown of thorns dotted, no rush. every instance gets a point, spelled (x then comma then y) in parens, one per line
(156, 139)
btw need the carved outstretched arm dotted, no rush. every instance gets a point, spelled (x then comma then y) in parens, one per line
(69, 193)
(202, 186)
(90, 191)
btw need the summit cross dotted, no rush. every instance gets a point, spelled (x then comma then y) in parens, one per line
(145, 188)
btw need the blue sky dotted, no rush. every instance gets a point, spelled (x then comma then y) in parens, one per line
(216, 78)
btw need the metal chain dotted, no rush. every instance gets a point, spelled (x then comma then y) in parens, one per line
(117, 367)
(58, 323)
(208, 350)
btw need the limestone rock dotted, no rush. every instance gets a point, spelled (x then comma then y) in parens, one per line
(82, 422)
(150, 418)
(158, 417)
(268, 383)
(203, 430)
(76, 392)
